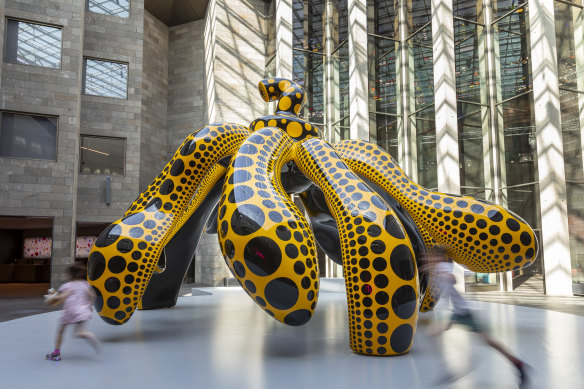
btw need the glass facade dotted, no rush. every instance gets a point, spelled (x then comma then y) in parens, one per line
(102, 155)
(119, 8)
(383, 52)
(28, 136)
(33, 44)
(104, 78)
(340, 71)
(308, 65)
(570, 51)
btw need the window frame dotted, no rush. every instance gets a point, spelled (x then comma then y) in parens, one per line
(84, 81)
(28, 21)
(115, 16)
(2, 112)
(81, 136)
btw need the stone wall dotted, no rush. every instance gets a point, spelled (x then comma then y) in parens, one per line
(186, 83)
(154, 100)
(39, 187)
(116, 39)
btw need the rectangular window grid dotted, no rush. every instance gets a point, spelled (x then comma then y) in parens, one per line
(28, 136)
(119, 8)
(33, 44)
(102, 155)
(104, 78)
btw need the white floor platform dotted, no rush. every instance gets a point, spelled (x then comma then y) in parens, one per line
(224, 340)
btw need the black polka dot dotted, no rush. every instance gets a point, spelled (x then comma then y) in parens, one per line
(378, 247)
(513, 224)
(393, 227)
(167, 187)
(281, 293)
(402, 263)
(403, 302)
(239, 194)
(133, 220)
(239, 269)
(117, 264)
(113, 302)
(120, 315)
(283, 233)
(495, 216)
(291, 251)
(98, 304)
(247, 219)
(401, 338)
(525, 238)
(262, 256)
(136, 232)
(250, 286)
(96, 265)
(381, 281)
(261, 301)
(125, 246)
(112, 284)
(506, 238)
(298, 317)
(381, 298)
(299, 268)
(379, 264)
(374, 231)
(274, 216)
(108, 236)
(177, 167)
(242, 161)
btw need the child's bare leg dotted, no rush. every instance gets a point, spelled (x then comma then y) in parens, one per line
(59, 337)
(499, 347)
(89, 336)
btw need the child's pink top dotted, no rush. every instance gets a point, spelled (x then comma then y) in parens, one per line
(77, 306)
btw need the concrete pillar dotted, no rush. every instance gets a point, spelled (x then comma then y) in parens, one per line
(358, 77)
(554, 214)
(447, 157)
(284, 38)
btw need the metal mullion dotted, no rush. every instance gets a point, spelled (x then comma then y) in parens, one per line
(467, 20)
(338, 47)
(419, 29)
(308, 51)
(421, 109)
(571, 90)
(384, 113)
(569, 3)
(514, 97)
(520, 185)
(382, 37)
(510, 12)
(465, 39)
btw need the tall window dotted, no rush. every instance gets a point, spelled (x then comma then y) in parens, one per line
(569, 18)
(309, 55)
(471, 94)
(340, 71)
(119, 8)
(421, 75)
(515, 119)
(28, 136)
(383, 50)
(102, 155)
(104, 78)
(33, 44)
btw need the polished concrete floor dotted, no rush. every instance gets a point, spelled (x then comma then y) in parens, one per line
(223, 340)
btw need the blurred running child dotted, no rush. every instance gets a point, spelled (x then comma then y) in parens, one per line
(77, 298)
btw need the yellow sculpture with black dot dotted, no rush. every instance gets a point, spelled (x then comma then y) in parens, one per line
(363, 211)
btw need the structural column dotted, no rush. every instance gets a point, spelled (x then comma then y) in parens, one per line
(447, 157)
(554, 214)
(284, 38)
(358, 76)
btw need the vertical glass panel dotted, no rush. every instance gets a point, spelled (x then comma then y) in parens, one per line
(466, 52)
(103, 78)
(119, 8)
(471, 150)
(308, 72)
(569, 33)
(572, 124)
(419, 13)
(383, 18)
(341, 130)
(33, 44)
(513, 54)
(386, 129)
(308, 24)
(340, 21)
(468, 9)
(100, 155)
(271, 68)
(28, 136)
(270, 17)
(426, 147)
(422, 67)
(501, 7)
(382, 75)
(340, 64)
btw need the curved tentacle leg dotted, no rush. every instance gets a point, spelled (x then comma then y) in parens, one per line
(481, 236)
(124, 256)
(378, 259)
(164, 286)
(265, 240)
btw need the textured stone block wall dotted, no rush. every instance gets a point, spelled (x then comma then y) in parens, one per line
(154, 100)
(39, 187)
(118, 39)
(186, 83)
